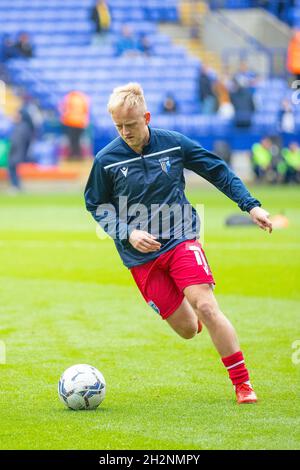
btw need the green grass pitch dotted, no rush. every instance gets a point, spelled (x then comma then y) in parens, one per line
(66, 299)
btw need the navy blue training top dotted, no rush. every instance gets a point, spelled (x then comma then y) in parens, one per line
(126, 190)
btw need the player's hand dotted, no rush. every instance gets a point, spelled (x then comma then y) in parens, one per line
(261, 218)
(143, 241)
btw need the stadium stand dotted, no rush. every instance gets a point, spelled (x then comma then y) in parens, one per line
(65, 58)
(285, 10)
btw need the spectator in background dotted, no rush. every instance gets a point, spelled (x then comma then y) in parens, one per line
(291, 163)
(21, 139)
(7, 52)
(169, 105)
(127, 44)
(246, 77)
(262, 158)
(286, 118)
(100, 16)
(225, 107)
(8, 48)
(74, 111)
(276, 151)
(207, 96)
(293, 55)
(33, 108)
(23, 46)
(223, 150)
(144, 45)
(242, 100)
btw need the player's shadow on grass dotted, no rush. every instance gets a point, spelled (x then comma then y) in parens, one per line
(100, 409)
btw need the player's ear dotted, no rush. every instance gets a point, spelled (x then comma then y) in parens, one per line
(147, 117)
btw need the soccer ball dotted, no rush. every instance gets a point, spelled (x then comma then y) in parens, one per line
(82, 387)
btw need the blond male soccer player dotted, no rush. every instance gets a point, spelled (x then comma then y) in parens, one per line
(142, 170)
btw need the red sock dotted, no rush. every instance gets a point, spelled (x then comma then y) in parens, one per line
(237, 370)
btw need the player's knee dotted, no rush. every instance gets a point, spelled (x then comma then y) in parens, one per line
(188, 334)
(189, 331)
(206, 310)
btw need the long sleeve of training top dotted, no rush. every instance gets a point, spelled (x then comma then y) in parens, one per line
(153, 182)
(99, 201)
(216, 171)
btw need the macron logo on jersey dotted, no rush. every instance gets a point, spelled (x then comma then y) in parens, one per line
(124, 170)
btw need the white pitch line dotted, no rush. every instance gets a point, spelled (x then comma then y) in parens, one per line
(91, 244)
(44, 244)
(256, 245)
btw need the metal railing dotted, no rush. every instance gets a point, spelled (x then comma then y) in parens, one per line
(274, 56)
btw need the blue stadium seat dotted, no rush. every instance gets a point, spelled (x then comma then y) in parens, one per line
(65, 59)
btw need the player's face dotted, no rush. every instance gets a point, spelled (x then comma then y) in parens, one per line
(132, 125)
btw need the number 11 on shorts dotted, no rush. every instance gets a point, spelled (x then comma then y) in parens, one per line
(200, 258)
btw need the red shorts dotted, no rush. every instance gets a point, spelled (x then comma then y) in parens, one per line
(163, 280)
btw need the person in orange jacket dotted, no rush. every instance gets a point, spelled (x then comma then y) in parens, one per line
(74, 111)
(293, 55)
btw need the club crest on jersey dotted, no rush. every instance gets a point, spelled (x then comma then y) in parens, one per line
(124, 170)
(165, 164)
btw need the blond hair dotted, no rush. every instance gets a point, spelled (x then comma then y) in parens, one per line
(130, 95)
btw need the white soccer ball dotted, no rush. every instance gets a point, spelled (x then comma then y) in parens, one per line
(82, 387)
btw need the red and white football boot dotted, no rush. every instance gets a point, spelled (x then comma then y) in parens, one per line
(245, 393)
